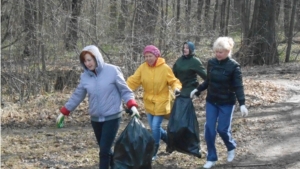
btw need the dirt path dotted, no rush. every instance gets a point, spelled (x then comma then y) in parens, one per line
(273, 138)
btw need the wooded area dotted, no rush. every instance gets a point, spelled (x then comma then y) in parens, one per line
(41, 40)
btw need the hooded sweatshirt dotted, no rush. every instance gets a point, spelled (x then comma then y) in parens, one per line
(186, 69)
(106, 87)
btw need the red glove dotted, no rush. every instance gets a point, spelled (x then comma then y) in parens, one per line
(65, 111)
(131, 103)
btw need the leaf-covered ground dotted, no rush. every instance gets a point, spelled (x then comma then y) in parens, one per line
(29, 138)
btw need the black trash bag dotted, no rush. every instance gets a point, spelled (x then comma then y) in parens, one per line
(134, 148)
(183, 128)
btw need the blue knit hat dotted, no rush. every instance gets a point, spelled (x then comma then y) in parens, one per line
(191, 47)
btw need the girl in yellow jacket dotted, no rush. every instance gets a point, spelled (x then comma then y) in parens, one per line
(155, 76)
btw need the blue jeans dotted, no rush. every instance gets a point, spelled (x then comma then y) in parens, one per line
(155, 124)
(105, 133)
(218, 119)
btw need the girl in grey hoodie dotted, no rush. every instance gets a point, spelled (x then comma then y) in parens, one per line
(105, 87)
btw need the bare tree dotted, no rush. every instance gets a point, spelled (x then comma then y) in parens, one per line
(40, 42)
(245, 17)
(113, 19)
(206, 14)
(278, 4)
(260, 46)
(236, 12)
(286, 21)
(222, 18)
(72, 37)
(11, 31)
(144, 25)
(178, 20)
(199, 20)
(298, 16)
(215, 15)
(30, 14)
(187, 23)
(227, 17)
(123, 15)
(291, 30)
(162, 24)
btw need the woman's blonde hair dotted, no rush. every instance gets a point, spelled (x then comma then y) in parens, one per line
(223, 43)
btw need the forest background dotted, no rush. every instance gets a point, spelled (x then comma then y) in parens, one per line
(41, 40)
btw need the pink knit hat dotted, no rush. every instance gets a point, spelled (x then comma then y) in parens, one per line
(152, 49)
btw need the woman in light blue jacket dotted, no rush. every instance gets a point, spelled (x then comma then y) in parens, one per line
(106, 88)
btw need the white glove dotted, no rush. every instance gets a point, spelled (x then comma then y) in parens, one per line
(60, 121)
(244, 111)
(135, 112)
(176, 92)
(193, 93)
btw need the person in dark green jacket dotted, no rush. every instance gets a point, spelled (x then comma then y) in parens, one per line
(186, 69)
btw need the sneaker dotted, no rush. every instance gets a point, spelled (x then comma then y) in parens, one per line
(209, 164)
(230, 155)
(154, 158)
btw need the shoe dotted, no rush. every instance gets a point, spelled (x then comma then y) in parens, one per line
(154, 157)
(209, 164)
(230, 155)
(111, 162)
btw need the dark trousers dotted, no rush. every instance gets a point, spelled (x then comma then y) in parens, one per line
(105, 133)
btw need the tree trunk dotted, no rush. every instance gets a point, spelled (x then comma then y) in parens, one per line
(298, 16)
(236, 12)
(188, 19)
(94, 23)
(222, 18)
(245, 17)
(286, 20)
(162, 23)
(206, 14)
(227, 18)
(199, 20)
(278, 4)
(72, 36)
(260, 46)
(123, 18)
(291, 30)
(30, 15)
(144, 25)
(113, 20)
(178, 20)
(41, 43)
(215, 15)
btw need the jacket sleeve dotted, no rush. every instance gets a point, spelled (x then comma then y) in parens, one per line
(134, 81)
(172, 80)
(125, 92)
(238, 85)
(199, 69)
(204, 85)
(174, 69)
(77, 97)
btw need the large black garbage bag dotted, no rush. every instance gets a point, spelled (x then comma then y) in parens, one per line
(134, 148)
(183, 128)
